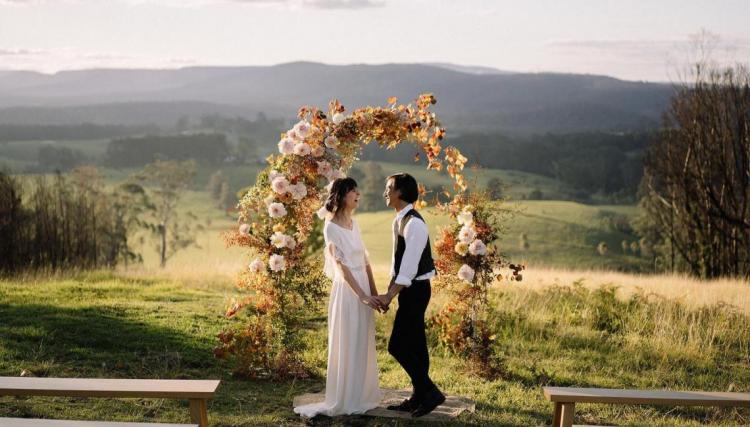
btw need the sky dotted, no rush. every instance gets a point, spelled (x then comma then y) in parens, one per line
(648, 40)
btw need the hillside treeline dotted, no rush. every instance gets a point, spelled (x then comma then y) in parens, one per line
(593, 163)
(205, 148)
(15, 132)
(71, 221)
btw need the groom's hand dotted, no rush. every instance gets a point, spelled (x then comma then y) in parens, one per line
(385, 301)
(374, 303)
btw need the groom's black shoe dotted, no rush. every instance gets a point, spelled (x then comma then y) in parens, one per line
(408, 405)
(432, 400)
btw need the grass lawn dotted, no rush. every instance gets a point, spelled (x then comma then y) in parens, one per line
(116, 325)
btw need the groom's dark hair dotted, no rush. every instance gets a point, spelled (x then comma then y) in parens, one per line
(407, 185)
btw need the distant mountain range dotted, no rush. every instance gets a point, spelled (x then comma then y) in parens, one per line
(469, 98)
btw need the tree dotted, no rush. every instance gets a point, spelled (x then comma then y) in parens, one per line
(495, 188)
(227, 199)
(215, 183)
(168, 181)
(697, 176)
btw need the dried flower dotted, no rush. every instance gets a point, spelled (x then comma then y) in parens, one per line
(467, 234)
(280, 185)
(276, 210)
(466, 273)
(318, 151)
(256, 266)
(301, 149)
(461, 248)
(298, 191)
(278, 240)
(477, 247)
(276, 263)
(465, 218)
(286, 146)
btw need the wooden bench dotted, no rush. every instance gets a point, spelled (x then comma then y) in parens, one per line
(565, 399)
(28, 422)
(197, 392)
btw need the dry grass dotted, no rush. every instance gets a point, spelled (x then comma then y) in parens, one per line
(692, 292)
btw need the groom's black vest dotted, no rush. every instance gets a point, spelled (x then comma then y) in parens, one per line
(425, 261)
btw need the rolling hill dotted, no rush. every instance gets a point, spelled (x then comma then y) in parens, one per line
(471, 99)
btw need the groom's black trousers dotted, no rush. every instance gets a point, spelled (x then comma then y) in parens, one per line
(408, 343)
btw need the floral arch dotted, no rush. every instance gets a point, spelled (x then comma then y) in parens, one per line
(277, 215)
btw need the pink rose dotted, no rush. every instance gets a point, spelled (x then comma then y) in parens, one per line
(301, 149)
(280, 185)
(286, 146)
(276, 210)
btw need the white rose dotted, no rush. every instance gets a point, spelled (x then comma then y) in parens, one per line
(290, 242)
(461, 248)
(301, 149)
(466, 273)
(280, 185)
(256, 266)
(298, 191)
(318, 151)
(465, 217)
(331, 141)
(276, 262)
(276, 210)
(245, 229)
(338, 118)
(477, 247)
(467, 234)
(286, 146)
(302, 129)
(278, 240)
(291, 134)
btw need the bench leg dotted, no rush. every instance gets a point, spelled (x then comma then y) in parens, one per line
(558, 414)
(199, 412)
(566, 414)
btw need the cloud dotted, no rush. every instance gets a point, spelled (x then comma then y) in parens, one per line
(649, 50)
(291, 4)
(72, 58)
(19, 52)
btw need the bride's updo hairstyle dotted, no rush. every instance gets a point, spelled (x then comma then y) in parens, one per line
(340, 188)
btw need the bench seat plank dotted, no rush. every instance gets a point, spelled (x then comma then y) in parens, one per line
(646, 397)
(106, 387)
(31, 422)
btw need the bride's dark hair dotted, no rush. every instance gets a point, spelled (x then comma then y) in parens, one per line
(340, 188)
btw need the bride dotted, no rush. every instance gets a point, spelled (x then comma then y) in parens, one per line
(352, 374)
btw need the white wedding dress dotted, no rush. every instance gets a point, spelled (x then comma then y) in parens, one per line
(352, 374)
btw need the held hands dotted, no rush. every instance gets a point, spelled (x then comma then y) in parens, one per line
(384, 300)
(374, 303)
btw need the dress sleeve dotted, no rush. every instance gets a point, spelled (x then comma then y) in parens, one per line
(332, 251)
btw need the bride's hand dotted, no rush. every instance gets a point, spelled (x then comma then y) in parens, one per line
(371, 302)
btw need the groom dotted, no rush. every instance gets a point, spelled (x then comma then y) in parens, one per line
(411, 270)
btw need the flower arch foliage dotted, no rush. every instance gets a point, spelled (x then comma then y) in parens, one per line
(277, 215)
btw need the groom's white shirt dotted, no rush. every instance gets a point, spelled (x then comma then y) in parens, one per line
(415, 235)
